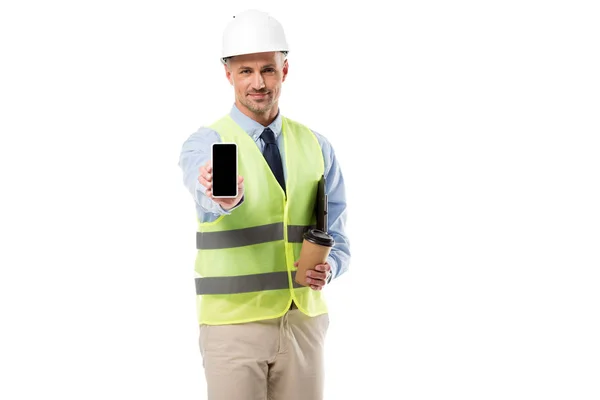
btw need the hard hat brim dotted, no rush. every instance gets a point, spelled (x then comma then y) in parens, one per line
(224, 58)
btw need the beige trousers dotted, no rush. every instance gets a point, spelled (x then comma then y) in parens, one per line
(276, 359)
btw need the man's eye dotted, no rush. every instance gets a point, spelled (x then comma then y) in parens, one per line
(269, 70)
(245, 71)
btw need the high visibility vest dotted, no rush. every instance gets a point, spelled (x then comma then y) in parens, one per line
(245, 261)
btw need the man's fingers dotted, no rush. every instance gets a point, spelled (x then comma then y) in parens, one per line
(205, 174)
(207, 166)
(204, 182)
(323, 267)
(316, 275)
(315, 281)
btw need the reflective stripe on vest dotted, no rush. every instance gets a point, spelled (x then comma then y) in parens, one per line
(244, 283)
(249, 236)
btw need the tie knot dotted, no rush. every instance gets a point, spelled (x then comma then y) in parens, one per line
(268, 136)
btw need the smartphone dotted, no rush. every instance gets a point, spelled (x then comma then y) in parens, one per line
(224, 170)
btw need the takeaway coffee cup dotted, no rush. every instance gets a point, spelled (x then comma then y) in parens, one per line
(315, 249)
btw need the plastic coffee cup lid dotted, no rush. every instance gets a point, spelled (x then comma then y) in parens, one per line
(319, 237)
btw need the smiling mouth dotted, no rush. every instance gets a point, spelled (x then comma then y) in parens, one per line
(258, 94)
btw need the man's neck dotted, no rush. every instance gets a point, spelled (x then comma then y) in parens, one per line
(265, 119)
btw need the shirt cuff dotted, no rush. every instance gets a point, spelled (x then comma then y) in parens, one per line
(331, 261)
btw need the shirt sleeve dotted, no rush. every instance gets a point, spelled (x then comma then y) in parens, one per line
(339, 257)
(195, 152)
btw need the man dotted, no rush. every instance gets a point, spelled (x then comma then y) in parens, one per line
(261, 334)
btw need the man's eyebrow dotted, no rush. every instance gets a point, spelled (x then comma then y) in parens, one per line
(263, 67)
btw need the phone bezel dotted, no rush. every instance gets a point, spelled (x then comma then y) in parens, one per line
(212, 154)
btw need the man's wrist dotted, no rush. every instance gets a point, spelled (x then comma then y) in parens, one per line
(229, 210)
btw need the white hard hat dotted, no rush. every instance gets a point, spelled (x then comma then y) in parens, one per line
(253, 31)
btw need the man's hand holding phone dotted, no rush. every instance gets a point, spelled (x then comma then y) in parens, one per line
(205, 178)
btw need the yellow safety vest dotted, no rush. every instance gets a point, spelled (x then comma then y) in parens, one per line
(245, 261)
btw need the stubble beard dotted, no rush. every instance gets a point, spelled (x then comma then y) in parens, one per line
(262, 108)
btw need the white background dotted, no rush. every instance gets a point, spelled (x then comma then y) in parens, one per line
(468, 137)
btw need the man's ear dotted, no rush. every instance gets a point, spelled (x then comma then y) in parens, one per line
(228, 74)
(285, 70)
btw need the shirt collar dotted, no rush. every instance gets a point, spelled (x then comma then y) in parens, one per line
(253, 128)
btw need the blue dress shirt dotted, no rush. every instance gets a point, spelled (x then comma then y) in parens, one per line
(196, 151)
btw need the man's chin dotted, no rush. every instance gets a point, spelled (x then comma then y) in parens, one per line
(258, 108)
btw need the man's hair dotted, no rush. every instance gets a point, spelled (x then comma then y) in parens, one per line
(226, 60)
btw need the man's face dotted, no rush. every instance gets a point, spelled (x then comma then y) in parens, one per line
(257, 79)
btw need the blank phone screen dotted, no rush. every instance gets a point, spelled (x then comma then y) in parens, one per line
(224, 164)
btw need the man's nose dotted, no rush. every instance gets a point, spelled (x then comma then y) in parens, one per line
(258, 81)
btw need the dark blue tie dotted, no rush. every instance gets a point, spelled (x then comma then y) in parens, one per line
(271, 153)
